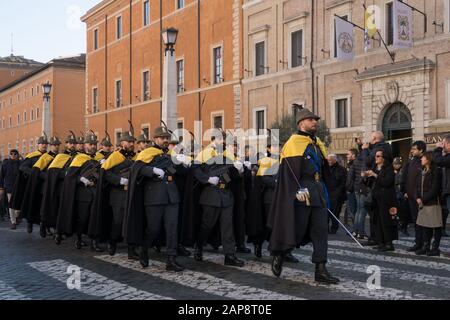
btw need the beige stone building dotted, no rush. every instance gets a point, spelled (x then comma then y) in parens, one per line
(289, 56)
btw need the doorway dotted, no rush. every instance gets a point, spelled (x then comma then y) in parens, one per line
(397, 129)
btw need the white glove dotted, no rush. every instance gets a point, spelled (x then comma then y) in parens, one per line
(160, 173)
(248, 164)
(239, 166)
(214, 181)
(102, 161)
(86, 182)
(181, 158)
(124, 181)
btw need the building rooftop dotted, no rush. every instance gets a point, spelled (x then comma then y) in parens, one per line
(72, 62)
(13, 60)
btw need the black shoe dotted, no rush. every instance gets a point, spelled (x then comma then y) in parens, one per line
(157, 249)
(323, 276)
(198, 254)
(173, 265)
(414, 248)
(258, 250)
(277, 265)
(95, 247)
(183, 252)
(232, 260)
(112, 248)
(132, 254)
(243, 249)
(143, 257)
(30, 228)
(58, 239)
(78, 244)
(424, 250)
(289, 257)
(49, 231)
(13, 226)
(43, 231)
(388, 247)
(369, 243)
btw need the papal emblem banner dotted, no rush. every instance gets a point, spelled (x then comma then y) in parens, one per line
(345, 41)
(403, 25)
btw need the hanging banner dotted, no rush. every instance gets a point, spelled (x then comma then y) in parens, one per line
(403, 25)
(345, 41)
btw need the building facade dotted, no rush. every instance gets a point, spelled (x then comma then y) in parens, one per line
(289, 57)
(14, 67)
(22, 105)
(125, 57)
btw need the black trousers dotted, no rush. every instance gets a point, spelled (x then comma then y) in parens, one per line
(265, 233)
(167, 214)
(337, 208)
(239, 227)
(313, 220)
(82, 218)
(210, 217)
(384, 228)
(414, 210)
(117, 223)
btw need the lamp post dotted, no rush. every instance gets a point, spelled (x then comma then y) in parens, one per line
(169, 98)
(46, 116)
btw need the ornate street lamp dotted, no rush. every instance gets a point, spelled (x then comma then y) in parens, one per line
(47, 88)
(169, 37)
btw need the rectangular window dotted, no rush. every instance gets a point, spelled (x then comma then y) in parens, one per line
(37, 113)
(24, 116)
(180, 125)
(341, 113)
(296, 49)
(146, 13)
(218, 122)
(218, 65)
(296, 110)
(32, 114)
(118, 93)
(95, 39)
(260, 58)
(335, 40)
(180, 76)
(180, 4)
(260, 120)
(119, 27)
(146, 85)
(95, 100)
(32, 92)
(18, 119)
(118, 135)
(389, 23)
(146, 131)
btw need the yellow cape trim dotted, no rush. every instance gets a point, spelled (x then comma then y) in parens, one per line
(297, 144)
(60, 161)
(265, 164)
(79, 160)
(33, 154)
(99, 156)
(113, 160)
(148, 154)
(206, 154)
(43, 162)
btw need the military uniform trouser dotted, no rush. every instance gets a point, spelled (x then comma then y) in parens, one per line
(117, 222)
(83, 210)
(210, 217)
(315, 221)
(265, 232)
(168, 214)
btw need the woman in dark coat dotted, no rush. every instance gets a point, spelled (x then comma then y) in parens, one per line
(384, 202)
(429, 218)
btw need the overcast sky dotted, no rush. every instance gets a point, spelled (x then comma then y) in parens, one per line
(44, 29)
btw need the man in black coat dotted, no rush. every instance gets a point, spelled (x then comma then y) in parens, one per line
(441, 157)
(411, 174)
(8, 175)
(338, 194)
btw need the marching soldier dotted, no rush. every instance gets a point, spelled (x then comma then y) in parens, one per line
(80, 143)
(106, 147)
(78, 194)
(153, 201)
(109, 205)
(142, 143)
(300, 209)
(53, 186)
(34, 191)
(25, 169)
(215, 169)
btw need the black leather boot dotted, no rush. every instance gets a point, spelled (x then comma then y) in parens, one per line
(112, 248)
(43, 231)
(58, 239)
(49, 231)
(182, 251)
(277, 265)
(243, 249)
(414, 248)
(173, 265)
(424, 250)
(258, 251)
(323, 276)
(95, 247)
(198, 254)
(386, 248)
(78, 242)
(232, 260)
(143, 257)
(132, 254)
(30, 228)
(289, 257)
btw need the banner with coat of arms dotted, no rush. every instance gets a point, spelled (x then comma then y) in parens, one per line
(403, 25)
(345, 40)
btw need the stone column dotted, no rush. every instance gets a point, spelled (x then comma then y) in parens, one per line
(169, 98)
(46, 117)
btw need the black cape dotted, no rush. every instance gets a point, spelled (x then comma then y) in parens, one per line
(255, 223)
